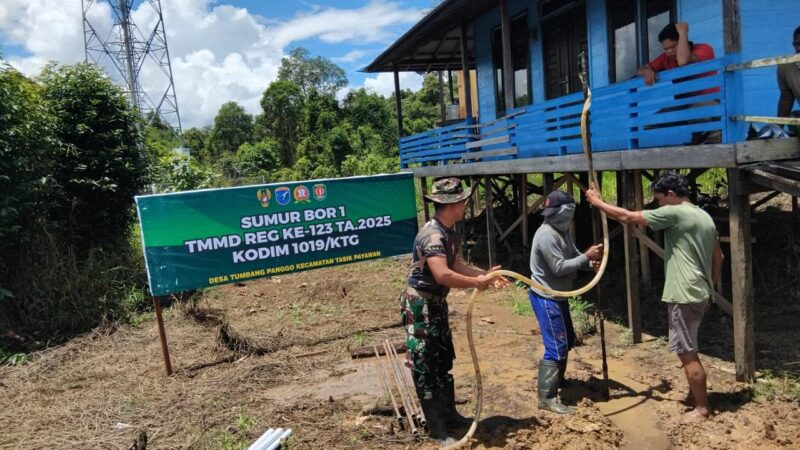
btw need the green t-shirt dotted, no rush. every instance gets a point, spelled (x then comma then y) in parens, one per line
(689, 235)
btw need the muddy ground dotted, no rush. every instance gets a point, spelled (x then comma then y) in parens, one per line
(292, 368)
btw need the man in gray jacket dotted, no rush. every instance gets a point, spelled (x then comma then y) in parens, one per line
(554, 263)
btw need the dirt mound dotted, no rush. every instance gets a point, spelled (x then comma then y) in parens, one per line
(587, 428)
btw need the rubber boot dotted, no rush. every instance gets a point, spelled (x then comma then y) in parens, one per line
(434, 409)
(452, 417)
(562, 369)
(548, 388)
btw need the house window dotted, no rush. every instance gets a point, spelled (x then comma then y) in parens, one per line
(633, 27)
(520, 60)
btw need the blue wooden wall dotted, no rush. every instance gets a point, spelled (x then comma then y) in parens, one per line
(483, 55)
(767, 27)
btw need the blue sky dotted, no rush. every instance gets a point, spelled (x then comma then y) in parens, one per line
(221, 50)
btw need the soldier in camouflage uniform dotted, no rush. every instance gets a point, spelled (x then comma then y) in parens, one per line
(435, 268)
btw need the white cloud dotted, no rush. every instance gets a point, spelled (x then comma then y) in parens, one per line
(351, 56)
(219, 52)
(383, 83)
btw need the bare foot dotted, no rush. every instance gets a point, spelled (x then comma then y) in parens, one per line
(695, 415)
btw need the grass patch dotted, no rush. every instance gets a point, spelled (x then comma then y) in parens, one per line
(520, 304)
(626, 336)
(13, 358)
(583, 316)
(777, 387)
(360, 338)
(235, 436)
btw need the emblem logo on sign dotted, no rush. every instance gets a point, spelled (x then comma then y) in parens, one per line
(320, 192)
(283, 195)
(264, 197)
(301, 194)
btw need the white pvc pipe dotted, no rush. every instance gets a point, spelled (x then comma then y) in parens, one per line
(266, 437)
(275, 437)
(279, 442)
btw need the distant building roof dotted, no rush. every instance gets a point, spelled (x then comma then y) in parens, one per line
(433, 43)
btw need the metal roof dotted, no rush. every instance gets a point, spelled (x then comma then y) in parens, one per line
(433, 43)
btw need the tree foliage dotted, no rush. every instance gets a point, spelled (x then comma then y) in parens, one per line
(99, 166)
(233, 126)
(309, 72)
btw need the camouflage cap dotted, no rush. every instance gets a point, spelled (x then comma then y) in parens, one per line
(448, 190)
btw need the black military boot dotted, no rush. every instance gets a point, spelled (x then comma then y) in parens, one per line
(548, 388)
(434, 409)
(452, 417)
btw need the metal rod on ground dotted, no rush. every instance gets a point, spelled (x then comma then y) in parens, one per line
(404, 395)
(404, 375)
(406, 406)
(386, 386)
(162, 335)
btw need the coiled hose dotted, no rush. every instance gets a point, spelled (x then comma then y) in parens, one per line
(587, 151)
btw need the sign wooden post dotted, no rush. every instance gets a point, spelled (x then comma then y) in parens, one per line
(162, 334)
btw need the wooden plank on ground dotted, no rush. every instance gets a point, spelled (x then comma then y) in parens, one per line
(368, 351)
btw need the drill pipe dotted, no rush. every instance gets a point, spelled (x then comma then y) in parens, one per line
(386, 386)
(399, 386)
(404, 375)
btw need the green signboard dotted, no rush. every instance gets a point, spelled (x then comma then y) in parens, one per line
(209, 237)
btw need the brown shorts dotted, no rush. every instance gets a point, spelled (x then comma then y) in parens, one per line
(684, 321)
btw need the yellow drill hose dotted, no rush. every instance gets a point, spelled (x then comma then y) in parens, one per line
(478, 381)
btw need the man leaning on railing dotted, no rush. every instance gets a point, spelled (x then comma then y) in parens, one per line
(678, 52)
(789, 83)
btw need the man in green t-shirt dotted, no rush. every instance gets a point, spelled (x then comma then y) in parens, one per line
(692, 266)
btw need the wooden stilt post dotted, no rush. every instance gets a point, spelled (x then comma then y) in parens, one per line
(741, 277)
(631, 255)
(442, 108)
(523, 190)
(398, 102)
(490, 237)
(423, 187)
(162, 335)
(547, 183)
(644, 252)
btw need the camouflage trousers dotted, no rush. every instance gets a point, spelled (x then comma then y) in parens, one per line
(429, 341)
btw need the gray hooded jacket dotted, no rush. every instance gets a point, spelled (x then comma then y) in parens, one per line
(554, 257)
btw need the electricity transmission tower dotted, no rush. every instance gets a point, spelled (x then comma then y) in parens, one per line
(129, 53)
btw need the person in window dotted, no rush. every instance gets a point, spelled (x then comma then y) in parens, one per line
(678, 52)
(789, 83)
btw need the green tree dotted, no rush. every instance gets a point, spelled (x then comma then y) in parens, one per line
(27, 141)
(361, 107)
(196, 139)
(282, 104)
(309, 72)
(233, 126)
(258, 159)
(100, 166)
